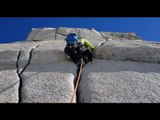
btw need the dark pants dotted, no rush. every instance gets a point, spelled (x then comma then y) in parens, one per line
(76, 54)
(87, 56)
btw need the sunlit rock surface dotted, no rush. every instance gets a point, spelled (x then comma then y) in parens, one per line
(125, 69)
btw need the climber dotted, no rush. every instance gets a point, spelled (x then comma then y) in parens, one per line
(77, 48)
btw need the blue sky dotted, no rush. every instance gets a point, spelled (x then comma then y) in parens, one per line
(14, 29)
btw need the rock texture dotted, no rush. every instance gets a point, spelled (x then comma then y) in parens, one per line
(108, 81)
(140, 51)
(49, 78)
(125, 69)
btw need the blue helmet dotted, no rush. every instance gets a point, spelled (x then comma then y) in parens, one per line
(72, 37)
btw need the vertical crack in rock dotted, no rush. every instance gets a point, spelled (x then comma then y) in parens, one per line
(19, 73)
(77, 95)
(78, 90)
(20, 80)
(79, 33)
(29, 60)
(103, 38)
(56, 33)
(102, 35)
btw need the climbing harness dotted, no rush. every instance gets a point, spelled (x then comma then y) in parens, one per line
(77, 81)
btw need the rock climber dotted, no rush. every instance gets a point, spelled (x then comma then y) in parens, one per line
(77, 48)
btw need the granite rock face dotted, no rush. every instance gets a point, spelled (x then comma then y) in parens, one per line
(34, 72)
(125, 50)
(95, 37)
(125, 69)
(49, 78)
(108, 81)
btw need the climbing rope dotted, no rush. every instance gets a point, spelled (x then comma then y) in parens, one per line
(77, 81)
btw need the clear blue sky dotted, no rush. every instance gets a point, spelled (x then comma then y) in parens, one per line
(17, 28)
